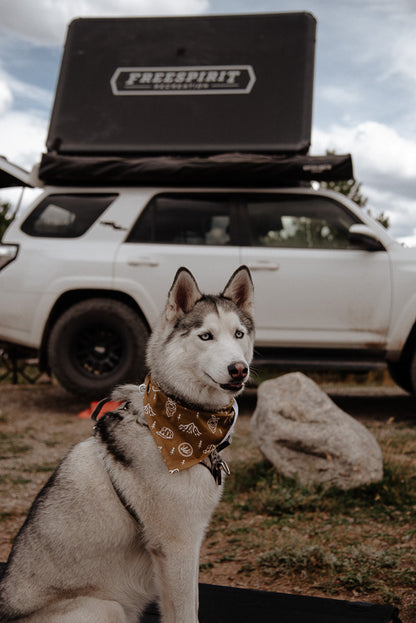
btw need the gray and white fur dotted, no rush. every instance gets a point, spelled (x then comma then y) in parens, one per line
(113, 530)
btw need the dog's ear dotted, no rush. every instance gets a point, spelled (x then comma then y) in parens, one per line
(183, 295)
(240, 290)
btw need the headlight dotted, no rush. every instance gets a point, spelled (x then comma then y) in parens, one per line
(8, 252)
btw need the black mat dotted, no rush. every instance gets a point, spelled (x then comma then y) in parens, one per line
(223, 604)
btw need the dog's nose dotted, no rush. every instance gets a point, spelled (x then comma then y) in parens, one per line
(238, 370)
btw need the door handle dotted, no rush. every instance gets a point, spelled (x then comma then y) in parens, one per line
(142, 261)
(263, 265)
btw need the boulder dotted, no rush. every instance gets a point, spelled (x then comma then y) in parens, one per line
(306, 436)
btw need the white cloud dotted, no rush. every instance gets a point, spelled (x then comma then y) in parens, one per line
(403, 52)
(37, 95)
(343, 96)
(400, 210)
(11, 88)
(408, 241)
(45, 21)
(378, 152)
(22, 137)
(384, 162)
(6, 97)
(22, 133)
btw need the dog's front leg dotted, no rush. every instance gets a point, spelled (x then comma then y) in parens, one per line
(176, 572)
(174, 520)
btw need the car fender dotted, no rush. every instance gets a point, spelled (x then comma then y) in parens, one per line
(82, 288)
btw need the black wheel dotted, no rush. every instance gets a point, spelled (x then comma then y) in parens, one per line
(97, 344)
(400, 373)
(412, 374)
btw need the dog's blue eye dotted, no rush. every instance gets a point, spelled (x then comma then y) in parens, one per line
(206, 336)
(239, 334)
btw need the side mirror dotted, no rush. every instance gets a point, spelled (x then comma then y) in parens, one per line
(364, 238)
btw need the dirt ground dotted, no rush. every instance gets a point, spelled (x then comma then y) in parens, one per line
(38, 424)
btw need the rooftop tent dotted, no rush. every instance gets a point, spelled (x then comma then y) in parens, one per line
(188, 85)
(231, 169)
(193, 101)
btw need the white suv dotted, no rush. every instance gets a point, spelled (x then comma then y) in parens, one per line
(85, 273)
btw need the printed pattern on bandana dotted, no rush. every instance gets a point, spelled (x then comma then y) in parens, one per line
(184, 437)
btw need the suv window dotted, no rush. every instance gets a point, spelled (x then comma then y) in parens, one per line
(185, 219)
(66, 216)
(298, 221)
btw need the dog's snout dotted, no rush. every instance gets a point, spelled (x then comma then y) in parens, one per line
(238, 370)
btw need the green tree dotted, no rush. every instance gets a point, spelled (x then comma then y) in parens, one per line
(349, 188)
(5, 217)
(352, 190)
(382, 218)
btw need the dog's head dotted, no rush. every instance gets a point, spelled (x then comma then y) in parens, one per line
(201, 350)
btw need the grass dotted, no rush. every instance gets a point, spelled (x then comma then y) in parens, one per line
(42, 468)
(359, 543)
(269, 532)
(357, 568)
(11, 445)
(258, 488)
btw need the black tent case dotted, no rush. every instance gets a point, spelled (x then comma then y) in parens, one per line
(185, 85)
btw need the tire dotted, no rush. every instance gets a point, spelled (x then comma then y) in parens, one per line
(412, 373)
(400, 373)
(97, 344)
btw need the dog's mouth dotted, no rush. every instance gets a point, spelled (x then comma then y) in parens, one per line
(232, 387)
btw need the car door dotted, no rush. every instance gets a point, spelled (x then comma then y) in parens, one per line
(191, 229)
(313, 288)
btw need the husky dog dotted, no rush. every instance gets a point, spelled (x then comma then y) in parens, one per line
(121, 521)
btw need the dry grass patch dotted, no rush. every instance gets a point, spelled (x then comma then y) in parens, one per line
(272, 532)
(268, 533)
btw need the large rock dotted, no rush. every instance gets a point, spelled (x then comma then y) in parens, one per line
(306, 436)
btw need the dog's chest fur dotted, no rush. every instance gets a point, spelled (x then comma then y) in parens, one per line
(131, 457)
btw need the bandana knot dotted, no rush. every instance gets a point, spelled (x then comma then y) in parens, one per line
(184, 436)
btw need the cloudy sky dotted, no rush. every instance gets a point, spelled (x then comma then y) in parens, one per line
(364, 94)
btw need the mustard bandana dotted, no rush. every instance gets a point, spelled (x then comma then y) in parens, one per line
(184, 437)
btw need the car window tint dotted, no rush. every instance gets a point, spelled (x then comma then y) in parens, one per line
(299, 221)
(66, 216)
(181, 219)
